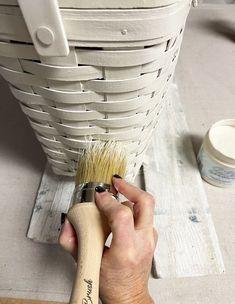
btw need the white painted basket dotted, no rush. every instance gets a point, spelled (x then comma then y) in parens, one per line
(112, 84)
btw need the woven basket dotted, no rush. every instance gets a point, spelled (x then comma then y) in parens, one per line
(113, 83)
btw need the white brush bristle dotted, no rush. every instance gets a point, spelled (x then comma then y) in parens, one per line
(99, 162)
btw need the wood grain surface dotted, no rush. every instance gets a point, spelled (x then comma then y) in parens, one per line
(187, 244)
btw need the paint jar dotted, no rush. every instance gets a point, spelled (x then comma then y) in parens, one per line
(216, 158)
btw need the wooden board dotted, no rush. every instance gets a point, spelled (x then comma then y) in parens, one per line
(53, 198)
(188, 244)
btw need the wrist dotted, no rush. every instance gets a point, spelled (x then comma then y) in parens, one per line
(143, 299)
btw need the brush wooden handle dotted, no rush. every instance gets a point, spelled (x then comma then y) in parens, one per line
(92, 232)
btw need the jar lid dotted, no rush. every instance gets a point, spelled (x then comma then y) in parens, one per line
(221, 140)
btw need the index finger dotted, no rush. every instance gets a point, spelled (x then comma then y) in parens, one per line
(120, 219)
(143, 202)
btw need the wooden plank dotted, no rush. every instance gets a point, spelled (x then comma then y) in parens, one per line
(53, 198)
(188, 244)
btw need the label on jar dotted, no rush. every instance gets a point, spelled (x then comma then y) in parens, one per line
(215, 172)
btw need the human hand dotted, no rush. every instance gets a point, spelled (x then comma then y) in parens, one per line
(126, 264)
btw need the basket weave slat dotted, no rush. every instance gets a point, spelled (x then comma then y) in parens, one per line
(118, 25)
(15, 50)
(104, 3)
(77, 73)
(15, 77)
(113, 83)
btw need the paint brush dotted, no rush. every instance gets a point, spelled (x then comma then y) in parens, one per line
(96, 167)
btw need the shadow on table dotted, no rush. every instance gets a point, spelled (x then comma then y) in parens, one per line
(189, 140)
(196, 141)
(17, 139)
(224, 28)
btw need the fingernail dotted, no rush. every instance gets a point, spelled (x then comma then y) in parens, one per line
(100, 189)
(117, 176)
(62, 218)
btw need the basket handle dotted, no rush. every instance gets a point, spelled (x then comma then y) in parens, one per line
(44, 23)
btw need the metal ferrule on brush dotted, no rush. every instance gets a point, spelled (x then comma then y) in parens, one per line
(84, 193)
